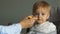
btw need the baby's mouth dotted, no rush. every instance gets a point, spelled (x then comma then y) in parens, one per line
(39, 19)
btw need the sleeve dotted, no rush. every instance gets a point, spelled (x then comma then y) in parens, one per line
(54, 32)
(53, 29)
(12, 29)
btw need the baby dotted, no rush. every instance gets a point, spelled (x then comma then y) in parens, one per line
(41, 10)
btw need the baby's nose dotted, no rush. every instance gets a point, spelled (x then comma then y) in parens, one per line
(39, 15)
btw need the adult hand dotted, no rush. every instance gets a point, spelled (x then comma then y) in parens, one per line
(28, 22)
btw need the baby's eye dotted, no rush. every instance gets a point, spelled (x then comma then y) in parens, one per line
(43, 14)
(36, 14)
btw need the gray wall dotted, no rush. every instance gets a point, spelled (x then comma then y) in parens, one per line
(15, 10)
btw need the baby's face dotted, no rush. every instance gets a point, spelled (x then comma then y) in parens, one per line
(42, 14)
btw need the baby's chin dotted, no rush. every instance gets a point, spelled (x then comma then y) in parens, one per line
(40, 22)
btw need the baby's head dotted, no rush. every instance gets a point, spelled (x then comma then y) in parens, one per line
(41, 10)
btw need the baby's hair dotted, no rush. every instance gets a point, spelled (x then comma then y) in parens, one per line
(38, 4)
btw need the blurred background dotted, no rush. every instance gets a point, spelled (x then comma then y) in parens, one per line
(13, 11)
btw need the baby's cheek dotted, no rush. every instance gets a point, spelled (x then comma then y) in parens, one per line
(44, 19)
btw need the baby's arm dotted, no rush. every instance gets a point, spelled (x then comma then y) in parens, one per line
(54, 32)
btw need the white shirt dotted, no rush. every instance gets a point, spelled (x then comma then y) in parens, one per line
(44, 28)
